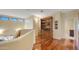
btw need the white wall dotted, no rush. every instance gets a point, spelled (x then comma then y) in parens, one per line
(28, 24)
(69, 25)
(57, 32)
(36, 24)
(66, 22)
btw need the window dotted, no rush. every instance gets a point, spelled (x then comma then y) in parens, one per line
(4, 18)
(13, 19)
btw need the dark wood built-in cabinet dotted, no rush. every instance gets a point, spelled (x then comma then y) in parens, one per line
(47, 25)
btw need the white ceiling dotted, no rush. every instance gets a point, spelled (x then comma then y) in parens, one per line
(27, 12)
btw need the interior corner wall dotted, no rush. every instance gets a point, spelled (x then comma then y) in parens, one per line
(36, 24)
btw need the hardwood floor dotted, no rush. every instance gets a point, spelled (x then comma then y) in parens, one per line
(46, 42)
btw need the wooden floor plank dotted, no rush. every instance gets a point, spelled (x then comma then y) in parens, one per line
(45, 42)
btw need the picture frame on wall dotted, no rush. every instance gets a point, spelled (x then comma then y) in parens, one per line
(56, 24)
(72, 33)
